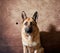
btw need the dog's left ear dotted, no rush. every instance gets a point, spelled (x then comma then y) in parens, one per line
(23, 15)
(35, 16)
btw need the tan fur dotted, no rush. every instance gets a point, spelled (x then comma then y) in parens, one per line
(31, 42)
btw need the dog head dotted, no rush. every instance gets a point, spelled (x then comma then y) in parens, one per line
(29, 23)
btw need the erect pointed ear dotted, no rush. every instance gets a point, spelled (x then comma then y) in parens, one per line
(23, 15)
(35, 16)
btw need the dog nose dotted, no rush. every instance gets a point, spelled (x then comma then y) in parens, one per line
(28, 29)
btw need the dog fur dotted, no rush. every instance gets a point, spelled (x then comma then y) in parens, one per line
(31, 41)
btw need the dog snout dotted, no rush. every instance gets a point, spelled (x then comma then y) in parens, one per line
(28, 30)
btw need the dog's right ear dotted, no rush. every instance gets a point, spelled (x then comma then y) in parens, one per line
(23, 15)
(35, 16)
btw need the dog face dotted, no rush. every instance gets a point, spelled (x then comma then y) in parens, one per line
(29, 24)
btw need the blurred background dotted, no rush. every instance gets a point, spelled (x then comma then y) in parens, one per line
(48, 23)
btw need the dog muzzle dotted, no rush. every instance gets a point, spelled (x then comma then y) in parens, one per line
(28, 30)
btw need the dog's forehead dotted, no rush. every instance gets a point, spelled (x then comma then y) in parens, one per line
(29, 20)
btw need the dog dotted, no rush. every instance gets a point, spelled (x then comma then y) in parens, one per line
(30, 34)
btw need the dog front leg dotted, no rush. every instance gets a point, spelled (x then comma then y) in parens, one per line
(41, 50)
(25, 50)
(31, 50)
(36, 51)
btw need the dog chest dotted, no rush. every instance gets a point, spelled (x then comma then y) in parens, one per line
(29, 42)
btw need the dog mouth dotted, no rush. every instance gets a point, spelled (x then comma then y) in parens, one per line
(28, 30)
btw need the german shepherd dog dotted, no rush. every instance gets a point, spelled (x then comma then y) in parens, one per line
(30, 34)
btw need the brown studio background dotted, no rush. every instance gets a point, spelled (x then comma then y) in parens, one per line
(48, 23)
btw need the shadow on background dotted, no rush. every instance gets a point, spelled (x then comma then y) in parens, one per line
(51, 40)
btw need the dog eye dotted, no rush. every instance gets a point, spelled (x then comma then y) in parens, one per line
(26, 23)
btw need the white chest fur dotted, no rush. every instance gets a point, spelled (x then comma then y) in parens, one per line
(29, 42)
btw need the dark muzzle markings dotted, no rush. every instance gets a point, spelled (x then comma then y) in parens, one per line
(28, 29)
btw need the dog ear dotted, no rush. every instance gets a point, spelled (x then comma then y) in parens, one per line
(35, 16)
(23, 15)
